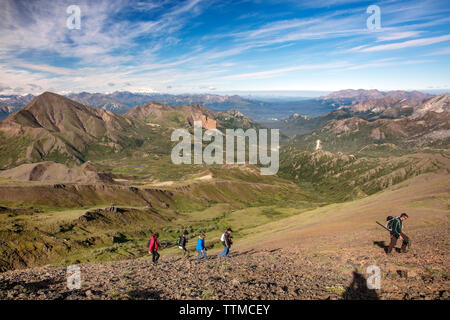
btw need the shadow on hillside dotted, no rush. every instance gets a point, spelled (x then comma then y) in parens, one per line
(28, 287)
(145, 294)
(243, 253)
(385, 247)
(358, 290)
(382, 245)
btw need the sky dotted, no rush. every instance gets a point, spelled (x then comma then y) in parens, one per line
(208, 46)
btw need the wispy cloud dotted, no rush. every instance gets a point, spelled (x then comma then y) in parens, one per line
(404, 44)
(443, 51)
(44, 68)
(398, 35)
(279, 71)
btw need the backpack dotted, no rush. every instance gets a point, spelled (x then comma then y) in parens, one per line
(390, 222)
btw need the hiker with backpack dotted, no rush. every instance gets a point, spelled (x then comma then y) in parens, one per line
(226, 242)
(182, 244)
(395, 225)
(153, 248)
(200, 247)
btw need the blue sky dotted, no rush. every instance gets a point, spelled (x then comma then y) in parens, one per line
(218, 46)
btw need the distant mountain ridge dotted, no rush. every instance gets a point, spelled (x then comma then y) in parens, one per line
(122, 102)
(6, 110)
(11, 103)
(354, 96)
(369, 110)
(259, 110)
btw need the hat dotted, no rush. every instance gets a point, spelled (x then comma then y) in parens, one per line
(229, 229)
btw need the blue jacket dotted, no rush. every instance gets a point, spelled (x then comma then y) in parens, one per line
(200, 244)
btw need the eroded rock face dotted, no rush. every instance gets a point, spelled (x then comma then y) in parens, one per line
(437, 104)
(207, 122)
(377, 134)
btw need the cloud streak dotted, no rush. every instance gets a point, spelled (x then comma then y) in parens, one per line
(405, 44)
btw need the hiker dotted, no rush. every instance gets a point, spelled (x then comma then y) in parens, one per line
(226, 241)
(153, 248)
(182, 244)
(396, 232)
(201, 249)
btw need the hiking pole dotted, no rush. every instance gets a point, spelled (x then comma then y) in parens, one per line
(383, 226)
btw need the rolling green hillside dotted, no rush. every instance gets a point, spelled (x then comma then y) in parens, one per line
(341, 177)
(353, 134)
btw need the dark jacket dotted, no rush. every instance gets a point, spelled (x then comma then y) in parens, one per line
(182, 241)
(397, 225)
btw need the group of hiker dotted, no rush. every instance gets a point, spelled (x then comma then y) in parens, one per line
(394, 225)
(200, 247)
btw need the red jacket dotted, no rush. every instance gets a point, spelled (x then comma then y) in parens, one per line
(153, 244)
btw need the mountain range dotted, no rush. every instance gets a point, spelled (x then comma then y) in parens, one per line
(351, 96)
(54, 128)
(406, 125)
(259, 110)
(369, 110)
